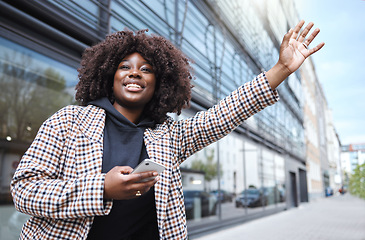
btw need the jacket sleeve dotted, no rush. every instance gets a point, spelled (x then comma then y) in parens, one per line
(40, 186)
(209, 126)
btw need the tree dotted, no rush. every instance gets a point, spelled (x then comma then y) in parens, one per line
(28, 95)
(357, 181)
(209, 166)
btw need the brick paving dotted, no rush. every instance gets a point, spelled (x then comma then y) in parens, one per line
(335, 218)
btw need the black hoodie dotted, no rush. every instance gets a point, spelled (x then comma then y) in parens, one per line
(124, 146)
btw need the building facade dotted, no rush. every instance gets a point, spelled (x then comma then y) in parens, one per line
(313, 156)
(352, 155)
(334, 155)
(323, 146)
(230, 42)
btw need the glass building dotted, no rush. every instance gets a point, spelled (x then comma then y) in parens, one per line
(257, 170)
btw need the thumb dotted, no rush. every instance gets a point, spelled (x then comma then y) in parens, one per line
(286, 39)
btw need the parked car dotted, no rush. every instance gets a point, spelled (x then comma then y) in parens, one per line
(343, 189)
(251, 197)
(328, 191)
(207, 201)
(222, 196)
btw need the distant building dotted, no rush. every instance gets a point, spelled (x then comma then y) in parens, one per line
(192, 179)
(312, 133)
(334, 155)
(322, 141)
(351, 156)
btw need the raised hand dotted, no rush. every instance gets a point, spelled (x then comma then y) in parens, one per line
(295, 47)
(294, 50)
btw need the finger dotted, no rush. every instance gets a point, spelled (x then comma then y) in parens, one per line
(311, 37)
(137, 177)
(143, 187)
(286, 38)
(146, 184)
(316, 48)
(305, 32)
(138, 194)
(297, 29)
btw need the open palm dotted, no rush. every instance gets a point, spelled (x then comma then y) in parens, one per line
(293, 50)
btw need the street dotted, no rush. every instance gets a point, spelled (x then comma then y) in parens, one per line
(336, 218)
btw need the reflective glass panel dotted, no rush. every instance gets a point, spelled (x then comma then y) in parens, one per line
(32, 87)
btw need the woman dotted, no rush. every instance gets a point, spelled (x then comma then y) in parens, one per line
(74, 179)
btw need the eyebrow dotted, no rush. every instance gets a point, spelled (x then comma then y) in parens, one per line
(126, 60)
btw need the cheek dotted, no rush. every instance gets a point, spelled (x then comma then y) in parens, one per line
(117, 80)
(153, 87)
(114, 87)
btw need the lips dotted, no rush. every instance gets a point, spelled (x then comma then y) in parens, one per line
(133, 86)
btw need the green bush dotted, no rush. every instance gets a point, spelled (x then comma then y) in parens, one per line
(357, 182)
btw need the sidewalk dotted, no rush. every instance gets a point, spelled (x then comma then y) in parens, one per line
(333, 218)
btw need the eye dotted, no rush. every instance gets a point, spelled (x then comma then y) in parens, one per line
(124, 66)
(147, 69)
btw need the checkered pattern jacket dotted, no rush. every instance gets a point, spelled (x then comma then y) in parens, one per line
(59, 180)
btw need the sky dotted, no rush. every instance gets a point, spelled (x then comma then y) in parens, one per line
(340, 64)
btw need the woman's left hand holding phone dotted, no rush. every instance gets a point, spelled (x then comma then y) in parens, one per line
(119, 184)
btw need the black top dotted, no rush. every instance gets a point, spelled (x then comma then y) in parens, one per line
(124, 146)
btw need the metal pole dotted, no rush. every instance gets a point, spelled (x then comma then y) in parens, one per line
(176, 22)
(244, 175)
(216, 96)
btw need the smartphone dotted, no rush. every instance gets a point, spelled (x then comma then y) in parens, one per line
(148, 165)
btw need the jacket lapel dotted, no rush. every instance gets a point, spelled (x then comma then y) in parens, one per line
(92, 121)
(153, 139)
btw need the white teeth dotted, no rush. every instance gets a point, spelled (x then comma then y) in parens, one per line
(132, 85)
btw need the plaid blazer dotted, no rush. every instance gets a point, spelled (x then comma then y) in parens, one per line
(59, 181)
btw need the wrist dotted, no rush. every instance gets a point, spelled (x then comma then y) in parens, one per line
(277, 74)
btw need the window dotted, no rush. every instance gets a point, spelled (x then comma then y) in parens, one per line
(32, 87)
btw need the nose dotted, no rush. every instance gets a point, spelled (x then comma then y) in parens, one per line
(134, 73)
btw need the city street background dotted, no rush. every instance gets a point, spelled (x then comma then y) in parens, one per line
(334, 218)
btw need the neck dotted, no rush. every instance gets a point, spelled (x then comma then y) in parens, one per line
(132, 114)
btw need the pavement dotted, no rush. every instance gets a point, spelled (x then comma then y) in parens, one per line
(339, 217)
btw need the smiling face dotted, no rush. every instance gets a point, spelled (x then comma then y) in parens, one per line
(134, 84)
